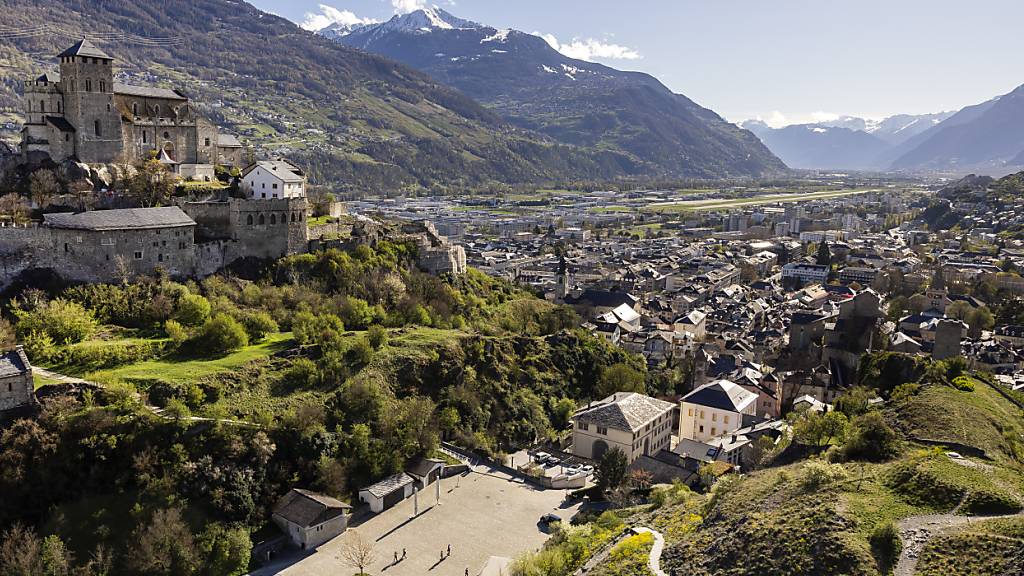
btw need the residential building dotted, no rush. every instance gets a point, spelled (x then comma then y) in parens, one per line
(806, 272)
(714, 409)
(634, 423)
(269, 179)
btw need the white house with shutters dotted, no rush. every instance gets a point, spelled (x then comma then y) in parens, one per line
(269, 179)
(715, 409)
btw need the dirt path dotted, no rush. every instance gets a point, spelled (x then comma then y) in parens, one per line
(654, 562)
(916, 531)
(159, 412)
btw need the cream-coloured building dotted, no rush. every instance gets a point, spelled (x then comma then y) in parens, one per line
(714, 409)
(636, 424)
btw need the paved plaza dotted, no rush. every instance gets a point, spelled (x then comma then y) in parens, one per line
(485, 516)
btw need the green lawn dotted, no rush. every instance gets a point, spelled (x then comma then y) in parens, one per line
(721, 203)
(41, 381)
(185, 370)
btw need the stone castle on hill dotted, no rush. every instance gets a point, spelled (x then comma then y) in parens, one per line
(84, 115)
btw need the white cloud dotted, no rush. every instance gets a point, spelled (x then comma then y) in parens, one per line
(330, 15)
(590, 49)
(776, 119)
(406, 6)
(824, 116)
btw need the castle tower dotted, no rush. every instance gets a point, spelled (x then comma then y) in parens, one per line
(87, 81)
(562, 281)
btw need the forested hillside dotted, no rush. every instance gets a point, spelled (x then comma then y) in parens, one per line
(348, 116)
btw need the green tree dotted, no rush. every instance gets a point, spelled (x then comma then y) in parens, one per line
(64, 321)
(620, 378)
(164, 545)
(377, 336)
(226, 550)
(611, 469)
(870, 438)
(192, 310)
(55, 557)
(820, 430)
(824, 255)
(222, 334)
(258, 325)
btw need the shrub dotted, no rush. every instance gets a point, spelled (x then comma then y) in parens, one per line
(818, 474)
(963, 383)
(39, 346)
(886, 544)
(258, 325)
(301, 374)
(360, 353)
(192, 310)
(918, 485)
(871, 439)
(377, 336)
(64, 321)
(176, 332)
(985, 502)
(222, 334)
(905, 391)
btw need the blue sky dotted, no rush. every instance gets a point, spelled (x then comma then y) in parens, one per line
(781, 60)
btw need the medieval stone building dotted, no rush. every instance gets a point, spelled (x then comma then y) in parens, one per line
(85, 115)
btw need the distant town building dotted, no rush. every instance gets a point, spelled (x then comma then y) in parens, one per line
(805, 272)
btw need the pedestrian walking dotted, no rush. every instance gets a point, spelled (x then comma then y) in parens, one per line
(396, 557)
(449, 549)
(403, 553)
(467, 571)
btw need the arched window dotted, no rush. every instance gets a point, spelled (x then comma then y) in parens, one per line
(145, 138)
(293, 216)
(96, 126)
(248, 220)
(156, 110)
(60, 107)
(103, 86)
(88, 84)
(135, 108)
(273, 219)
(167, 135)
(42, 106)
(262, 222)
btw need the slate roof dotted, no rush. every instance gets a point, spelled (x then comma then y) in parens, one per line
(85, 47)
(14, 363)
(624, 411)
(723, 395)
(389, 485)
(148, 92)
(306, 508)
(124, 219)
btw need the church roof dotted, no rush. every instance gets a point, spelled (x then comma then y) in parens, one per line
(147, 92)
(85, 47)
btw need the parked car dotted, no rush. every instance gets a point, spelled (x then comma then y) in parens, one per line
(954, 455)
(572, 469)
(587, 469)
(541, 457)
(552, 461)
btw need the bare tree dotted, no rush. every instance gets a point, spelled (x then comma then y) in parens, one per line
(20, 552)
(14, 207)
(358, 552)
(42, 186)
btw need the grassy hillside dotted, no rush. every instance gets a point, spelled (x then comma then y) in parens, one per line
(350, 117)
(824, 514)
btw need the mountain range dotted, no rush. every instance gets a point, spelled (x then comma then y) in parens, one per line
(984, 138)
(526, 81)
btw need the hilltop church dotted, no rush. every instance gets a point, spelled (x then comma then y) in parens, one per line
(84, 115)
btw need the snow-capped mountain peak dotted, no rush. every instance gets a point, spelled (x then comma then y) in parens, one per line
(418, 21)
